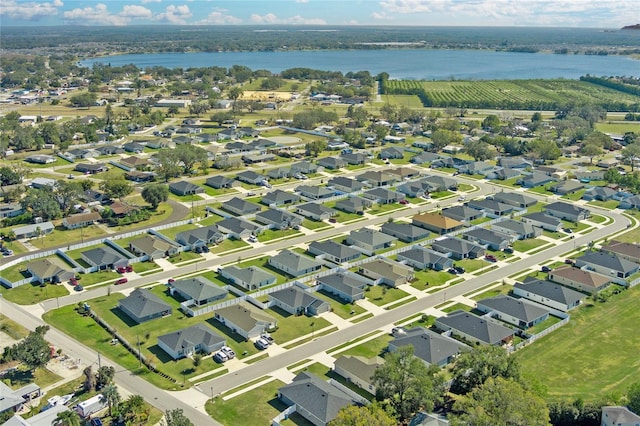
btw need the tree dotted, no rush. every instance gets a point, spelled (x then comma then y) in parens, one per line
(389, 112)
(441, 138)
(168, 164)
(473, 368)
(33, 351)
(479, 150)
(89, 383)
(631, 154)
(316, 147)
(197, 360)
(83, 100)
(133, 408)
(8, 176)
(590, 150)
(155, 194)
(68, 418)
(491, 123)
(234, 94)
(104, 376)
(545, 149)
(633, 398)
(176, 417)
(116, 188)
(500, 402)
(67, 194)
(407, 383)
(189, 155)
(221, 117)
(372, 414)
(111, 396)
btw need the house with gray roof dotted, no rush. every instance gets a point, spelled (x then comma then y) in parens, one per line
(566, 187)
(183, 187)
(517, 228)
(514, 162)
(515, 199)
(439, 183)
(10, 210)
(549, 293)
(315, 192)
(219, 182)
(315, 211)
(240, 207)
(33, 230)
(463, 213)
(535, 179)
(599, 193)
(279, 173)
(257, 158)
(392, 152)
(278, 219)
(279, 198)
(40, 183)
(503, 173)
(49, 269)
(632, 202)
(370, 240)
(355, 158)
(491, 208)
(377, 178)
(90, 168)
(81, 220)
(251, 177)
(387, 271)
(237, 228)
(142, 305)
(188, 341)
(304, 167)
(345, 184)
(315, 399)
(197, 289)
(358, 370)
(250, 278)
(489, 238)
(422, 258)
(518, 312)
(542, 220)
(610, 265)
(579, 279)
(13, 400)
(457, 248)
(566, 211)
(297, 301)
(432, 348)
(245, 319)
(104, 257)
(475, 330)
(383, 196)
(331, 163)
(353, 205)
(405, 232)
(152, 247)
(412, 189)
(619, 416)
(334, 252)
(294, 264)
(199, 237)
(346, 285)
(477, 168)
(624, 250)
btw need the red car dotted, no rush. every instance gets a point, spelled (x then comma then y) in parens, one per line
(404, 202)
(121, 269)
(122, 281)
(129, 268)
(491, 258)
(73, 281)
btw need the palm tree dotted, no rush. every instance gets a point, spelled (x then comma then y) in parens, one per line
(68, 418)
(111, 395)
(134, 406)
(234, 94)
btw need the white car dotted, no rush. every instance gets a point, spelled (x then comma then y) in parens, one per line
(220, 357)
(262, 343)
(462, 198)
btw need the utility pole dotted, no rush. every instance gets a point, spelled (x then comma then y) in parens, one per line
(139, 354)
(99, 363)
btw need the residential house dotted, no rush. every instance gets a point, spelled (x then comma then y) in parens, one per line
(358, 370)
(477, 168)
(152, 247)
(346, 285)
(436, 222)
(430, 347)
(279, 173)
(463, 213)
(579, 279)
(403, 173)
(624, 250)
(43, 183)
(422, 258)
(240, 207)
(134, 163)
(566, 187)
(40, 159)
(413, 189)
(619, 416)
(334, 252)
(354, 205)
(251, 177)
(355, 158)
(104, 257)
(80, 153)
(548, 293)
(14, 400)
(491, 208)
(599, 193)
(345, 184)
(197, 289)
(249, 278)
(405, 232)
(81, 220)
(237, 228)
(142, 305)
(191, 340)
(458, 248)
(184, 187)
(542, 220)
(315, 211)
(257, 158)
(10, 210)
(377, 178)
(607, 163)
(516, 199)
(370, 240)
(383, 196)
(109, 150)
(122, 209)
(474, 329)
(279, 219)
(610, 265)
(245, 320)
(632, 202)
(518, 312)
(314, 399)
(33, 230)
(294, 264)
(491, 239)
(133, 147)
(387, 271)
(219, 182)
(199, 237)
(297, 301)
(391, 153)
(439, 183)
(535, 179)
(566, 211)
(331, 163)
(279, 198)
(422, 418)
(315, 192)
(139, 177)
(503, 173)
(514, 162)
(518, 229)
(304, 167)
(95, 197)
(424, 157)
(49, 270)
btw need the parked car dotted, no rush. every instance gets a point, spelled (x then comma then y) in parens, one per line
(508, 250)
(205, 249)
(121, 269)
(545, 269)
(267, 337)
(404, 202)
(491, 258)
(459, 269)
(129, 268)
(332, 220)
(398, 331)
(262, 344)
(171, 281)
(228, 352)
(569, 261)
(462, 198)
(567, 230)
(122, 281)
(96, 421)
(73, 281)
(251, 193)
(198, 249)
(220, 357)
(78, 287)
(7, 252)
(253, 239)
(452, 271)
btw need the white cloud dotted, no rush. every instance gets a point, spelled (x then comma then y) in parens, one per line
(150, 1)
(98, 15)
(218, 17)
(302, 1)
(135, 12)
(175, 14)
(271, 18)
(29, 11)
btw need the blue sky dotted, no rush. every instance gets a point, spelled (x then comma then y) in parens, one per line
(556, 13)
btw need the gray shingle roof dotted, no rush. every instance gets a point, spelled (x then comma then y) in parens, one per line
(295, 297)
(279, 196)
(472, 325)
(349, 284)
(103, 256)
(241, 205)
(551, 291)
(484, 234)
(294, 261)
(142, 303)
(253, 275)
(517, 308)
(334, 249)
(566, 208)
(191, 337)
(405, 229)
(607, 260)
(198, 288)
(543, 218)
(430, 346)
(235, 225)
(371, 237)
(316, 208)
(199, 234)
(422, 255)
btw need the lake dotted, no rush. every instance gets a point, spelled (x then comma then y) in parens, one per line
(415, 64)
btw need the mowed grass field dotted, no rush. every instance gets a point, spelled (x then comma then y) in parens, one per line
(597, 353)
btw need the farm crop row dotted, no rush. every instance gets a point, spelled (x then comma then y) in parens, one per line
(513, 94)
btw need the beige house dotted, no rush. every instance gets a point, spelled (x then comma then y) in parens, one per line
(358, 370)
(579, 279)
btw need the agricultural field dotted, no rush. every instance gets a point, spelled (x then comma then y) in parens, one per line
(513, 94)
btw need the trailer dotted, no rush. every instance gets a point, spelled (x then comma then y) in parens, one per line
(91, 405)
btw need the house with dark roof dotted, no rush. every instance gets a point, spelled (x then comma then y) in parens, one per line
(436, 222)
(439, 183)
(355, 158)
(518, 312)
(219, 182)
(515, 199)
(430, 347)
(134, 163)
(345, 184)
(197, 289)
(140, 177)
(542, 220)
(566, 187)
(249, 278)
(383, 196)
(376, 178)
(346, 285)
(391, 153)
(619, 416)
(632, 202)
(457, 248)
(609, 265)
(142, 305)
(294, 264)
(535, 179)
(199, 237)
(133, 147)
(579, 279)
(334, 252)
(245, 319)
(331, 163)
(10, 210)
(49, 269)
(184, 187)
(297, 301)
(188, 341)
(315, 211)
(278, 219)
(279, 173)
(358, 370)
(237, 228)
(422, 258)
(370, 240)
(109, 150)
(517, 228)
(491, 208)
(91, 196)
(152, 247)
(503, 173)
(491, 239)
(104, 257)
(251, 177)
(304, 167)
(353, 205)
(387, 271)
(90, 168)
(81, 220)
(514, 162)
(566, 211)
(477, 168)
(476, 330)
(315, 399)
(404, 231)
(403, 173)
(624, 250)
(548, 293)
(240, 207)
(315, 192)
(463, 213)
(412, 189)
(279, 198)
(599, 193)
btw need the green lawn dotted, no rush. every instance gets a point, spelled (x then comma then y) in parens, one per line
(22, 376)
(315, 225)
(544, 325)
(61, 236)
(98, 277)
(29, 294)
(381, 295)
(370, 348)
(574, 196)
(429, 278)
(456, 307)
(172, 232)
(213, 191)
(184, 256)
(12, 328)
(211, 219)
(293, 326)
(380, 209)
(471, 265)
(275, 234)
(502, 289)
(338, 306)
(610, 204)
(229, 244)
(597, 218)
(587, 341)
(142, 267)
(530, 244)
(15, 273)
